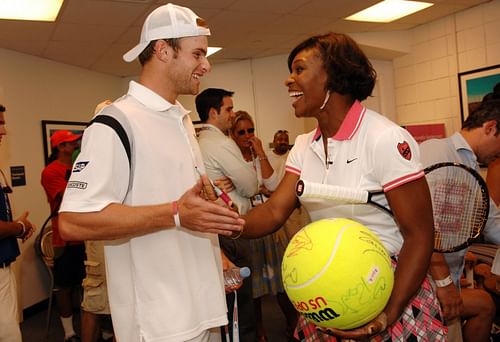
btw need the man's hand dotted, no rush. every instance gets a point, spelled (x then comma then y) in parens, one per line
(29, 228)
(451, 302)
(208, 190)
(198, 214)
(226, 265)
(374, 327)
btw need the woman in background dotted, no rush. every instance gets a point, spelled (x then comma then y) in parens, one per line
(267, 253)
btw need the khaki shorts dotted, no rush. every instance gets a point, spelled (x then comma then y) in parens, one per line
(95, 293)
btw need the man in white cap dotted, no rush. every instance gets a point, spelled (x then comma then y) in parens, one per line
(163, 261)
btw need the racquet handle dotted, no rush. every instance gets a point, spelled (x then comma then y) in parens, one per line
(306, 189)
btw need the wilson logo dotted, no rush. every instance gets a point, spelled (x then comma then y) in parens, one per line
(80, 166)
(77, 185)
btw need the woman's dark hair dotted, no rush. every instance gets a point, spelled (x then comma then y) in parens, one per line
(349, 70)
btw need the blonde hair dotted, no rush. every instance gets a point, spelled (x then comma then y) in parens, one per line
(240, 116)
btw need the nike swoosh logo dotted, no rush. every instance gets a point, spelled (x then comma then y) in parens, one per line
(351, 160)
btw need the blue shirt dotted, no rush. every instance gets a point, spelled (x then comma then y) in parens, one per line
(9, 249)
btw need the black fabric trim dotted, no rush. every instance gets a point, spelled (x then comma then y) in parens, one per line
(118, 128)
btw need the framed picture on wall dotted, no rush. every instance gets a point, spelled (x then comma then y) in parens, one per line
(49, 127)
(474, 85)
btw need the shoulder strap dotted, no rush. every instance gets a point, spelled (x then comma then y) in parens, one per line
(118, 128)
(113, 117)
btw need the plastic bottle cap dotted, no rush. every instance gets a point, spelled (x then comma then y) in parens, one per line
(244, 272)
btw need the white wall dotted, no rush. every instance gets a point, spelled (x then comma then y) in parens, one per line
(426, 79)
(34, 89)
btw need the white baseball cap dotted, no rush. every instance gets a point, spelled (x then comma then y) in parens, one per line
(167, 21)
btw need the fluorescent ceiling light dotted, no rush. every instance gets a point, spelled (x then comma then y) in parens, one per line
(389, 10)
(211, 50)
(39, 10)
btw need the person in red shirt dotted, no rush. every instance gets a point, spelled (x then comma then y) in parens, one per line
(69, 269)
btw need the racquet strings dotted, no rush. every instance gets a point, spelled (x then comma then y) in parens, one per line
(459, 206)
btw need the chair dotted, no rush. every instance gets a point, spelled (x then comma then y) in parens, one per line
(46, 252)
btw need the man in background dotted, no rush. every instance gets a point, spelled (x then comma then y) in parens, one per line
(164, 269)
(69, 269)
(477, 142)
(10, 231)
(222, 158)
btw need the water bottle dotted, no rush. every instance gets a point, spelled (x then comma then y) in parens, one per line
(234, 276)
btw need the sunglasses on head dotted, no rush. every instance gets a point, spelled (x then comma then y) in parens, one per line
(282, 131)
(242, 132)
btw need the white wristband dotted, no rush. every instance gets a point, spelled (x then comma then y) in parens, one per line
(443, 282)
(175, 210)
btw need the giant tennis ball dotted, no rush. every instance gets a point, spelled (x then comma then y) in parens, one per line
(337, 273)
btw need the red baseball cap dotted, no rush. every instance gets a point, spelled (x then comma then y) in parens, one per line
(63, 136)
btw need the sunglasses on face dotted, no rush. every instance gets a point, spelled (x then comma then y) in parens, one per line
(242, 132)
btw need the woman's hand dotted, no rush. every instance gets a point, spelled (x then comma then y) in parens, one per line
(451, 302)
(374, 327)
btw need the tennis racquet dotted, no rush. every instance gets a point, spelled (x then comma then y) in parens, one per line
(460, 202)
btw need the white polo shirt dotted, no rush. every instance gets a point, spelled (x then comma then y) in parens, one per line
(368, 152)
(167, 285)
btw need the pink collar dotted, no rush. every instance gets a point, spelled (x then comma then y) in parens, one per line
(350, 125)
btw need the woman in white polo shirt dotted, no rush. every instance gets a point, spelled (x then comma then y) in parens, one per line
(359, 148)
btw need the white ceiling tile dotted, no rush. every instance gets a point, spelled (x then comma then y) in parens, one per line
(87, 33)
(95, 33)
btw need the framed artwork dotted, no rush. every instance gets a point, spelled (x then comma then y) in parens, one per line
(474, 85)
(49, 127)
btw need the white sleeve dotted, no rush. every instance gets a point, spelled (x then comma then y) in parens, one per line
(272, 182)
(100, 175)
(396, 158)
(296, 155)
